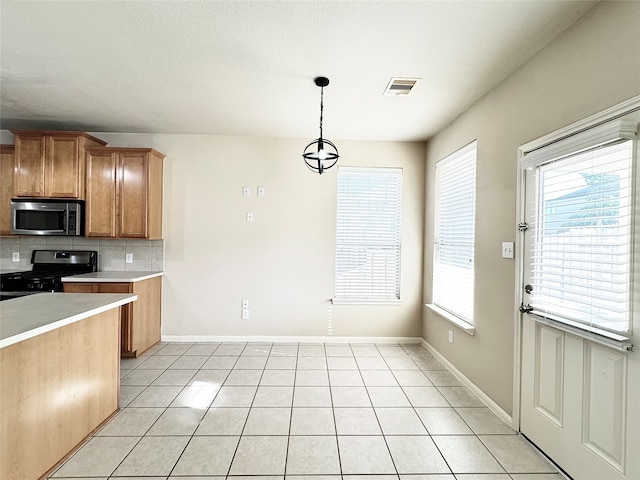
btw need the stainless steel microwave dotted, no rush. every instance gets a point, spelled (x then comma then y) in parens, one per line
(47, 217)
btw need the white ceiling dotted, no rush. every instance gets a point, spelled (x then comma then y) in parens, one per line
(247, 67)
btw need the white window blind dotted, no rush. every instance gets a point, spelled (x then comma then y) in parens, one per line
(454, 236)
(368, 233)
(583, 224)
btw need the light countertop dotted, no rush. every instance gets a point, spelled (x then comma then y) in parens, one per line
(108, 277)
(26, 317)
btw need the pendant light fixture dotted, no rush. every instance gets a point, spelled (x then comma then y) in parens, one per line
(321, 153)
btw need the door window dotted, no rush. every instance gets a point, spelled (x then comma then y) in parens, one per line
(581, 265)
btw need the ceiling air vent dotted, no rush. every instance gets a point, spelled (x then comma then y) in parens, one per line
(400, 86)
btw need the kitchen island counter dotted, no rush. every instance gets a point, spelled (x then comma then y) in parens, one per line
(111, 277)
(59, 376)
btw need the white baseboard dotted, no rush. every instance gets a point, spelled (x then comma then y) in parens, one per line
(287, 339)
(493, 406)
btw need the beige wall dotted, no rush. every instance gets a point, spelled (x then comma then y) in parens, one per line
(592, 66)
(282, 262)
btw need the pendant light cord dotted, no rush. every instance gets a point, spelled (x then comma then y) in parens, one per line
(321, 108)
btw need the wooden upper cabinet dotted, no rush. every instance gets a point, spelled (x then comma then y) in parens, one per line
(124, 193)
(100, 218)
(134, 194)
(6, 188)
(63, 173)
(50, 164)
(28, 180)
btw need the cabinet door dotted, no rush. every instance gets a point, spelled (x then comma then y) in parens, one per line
(29, 166)
(126, 316)
(132, 194)
(6, 188)
(62, 170)
(147, 312)
(101, 194)
(154, 198)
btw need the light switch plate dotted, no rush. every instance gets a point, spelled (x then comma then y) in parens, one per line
(15, 256)
(128, 258)
(507, 249)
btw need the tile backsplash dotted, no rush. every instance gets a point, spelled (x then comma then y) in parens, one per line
(148, 255)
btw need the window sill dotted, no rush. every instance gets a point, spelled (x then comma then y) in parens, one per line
(365, 301)
(466, 327)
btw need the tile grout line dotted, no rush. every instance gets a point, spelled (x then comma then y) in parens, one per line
(293, 393)
(201, 418)
(428, 433)
(333, 413)
(205, 409)
(235, 452)
(147, 431)
(376, 413)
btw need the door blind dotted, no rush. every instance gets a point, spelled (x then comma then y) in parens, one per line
(368, 233)
(454, 237)
(583, 222)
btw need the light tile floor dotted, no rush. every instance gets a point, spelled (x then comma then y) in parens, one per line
(305, 412)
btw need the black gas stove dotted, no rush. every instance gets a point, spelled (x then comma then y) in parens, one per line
(49, 266)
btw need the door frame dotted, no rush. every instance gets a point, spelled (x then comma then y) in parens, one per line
(619, 110)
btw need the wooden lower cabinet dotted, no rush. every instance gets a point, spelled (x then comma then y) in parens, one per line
(140, 320)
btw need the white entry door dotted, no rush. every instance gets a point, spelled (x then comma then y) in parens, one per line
(580, 375)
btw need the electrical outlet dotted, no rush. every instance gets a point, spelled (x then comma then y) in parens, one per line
(128, 258)
(261, 191)
(15, 257)
(245, 304)
(450, 336)
(245, 314)
(246, 191)
(249, 216)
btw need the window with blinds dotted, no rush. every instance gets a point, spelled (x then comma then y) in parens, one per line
(582, 252)
(368, 234)
(454, 233)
